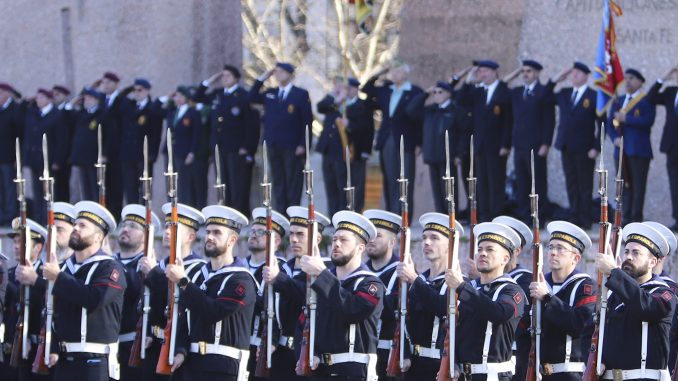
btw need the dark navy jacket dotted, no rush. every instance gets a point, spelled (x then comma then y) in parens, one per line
(84, 145)
(186, 132)
(11, 127)
(533, 117)
(577, 125)
(636, 129)
(143, 122)
(666, 98)
(35, 126)
(492, 122)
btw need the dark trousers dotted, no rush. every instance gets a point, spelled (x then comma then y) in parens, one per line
(128, 373)
(70, 368)
(389, 160)
(8, 204)
(634, 194)
(672, 170)
(62, 186)
(358, 179)
(523, 344)
(236, 173)
(150, 363)
(439, 189)
(422, 369)
(191, 373)
(88, 183)
(521, 161)
(39, 212)
(114, 187)
(334, 174)
(578, 169)
(562, 377)
(336, 378)
(382, 363)
(288, 179)
(131, 173)
(192, 183)
(491, 185)
(283, 364)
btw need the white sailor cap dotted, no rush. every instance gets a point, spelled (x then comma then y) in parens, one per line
(280, 224)
(523, 230)
(299, 216)
(502, 234)
(647, 236)
(188, 216)
(137, 213)
(224, 216)
(570, 233)
(440, 223)
(64, 211)
(96, 214)
(38, 232)
(384, 220)
(666, 232)
(355, 222)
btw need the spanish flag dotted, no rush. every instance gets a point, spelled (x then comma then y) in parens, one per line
(608, 73)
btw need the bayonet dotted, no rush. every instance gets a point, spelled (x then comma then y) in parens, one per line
(218, 185)
(101, 168)
(349, 189)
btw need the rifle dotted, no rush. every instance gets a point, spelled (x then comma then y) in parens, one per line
(263, 368)
(594, 366)
(166, 359)
(446, 371)
(396, 354)
(350, 190)
(308, 336)
(42, 354)
(20, 345)
(218, 185)
(101, 169)
(534, 358)
(616, 238)
(138, 351)
(472, 205)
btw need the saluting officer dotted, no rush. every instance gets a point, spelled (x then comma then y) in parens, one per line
(190, 220)
(220, 307)
(426, 298)
(383, 263)
(287, 112)
(11, 127)
(489, 307)
(132, 243)
(349, 303)
(233, 129)
(633, 118)
(84, 144)
(360, 124)
(30, 275)
(64, 219)
(577, 139)
(568, 300)
(89, 291)
(290, 284)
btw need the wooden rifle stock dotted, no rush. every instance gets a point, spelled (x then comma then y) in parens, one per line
(534, 356)
(40, 362)
(303, 368)
(166, 358)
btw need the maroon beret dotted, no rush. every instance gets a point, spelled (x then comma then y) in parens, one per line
(61, 89)
(112, 76)
(46, 93)
(7, 87)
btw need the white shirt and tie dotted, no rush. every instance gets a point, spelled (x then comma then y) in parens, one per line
(283, 92)
(577, 93)
(489, 91)
(396, 94)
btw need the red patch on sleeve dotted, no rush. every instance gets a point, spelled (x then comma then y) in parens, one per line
(115, 275)
(587, 300)
(372, 289)
(240, 290)
(517, 298)
(667, 296)
(368, 297)
(588, 289)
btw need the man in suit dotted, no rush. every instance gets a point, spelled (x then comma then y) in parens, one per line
(41, 118)
(232, 128)
(577, 139)
(84, 145)
(61, 168)
(632, 117)
(10, 128)
(360, 125)
(489, 101)
(392, 98)
(668, 97)
(533, 124)
(287, 113)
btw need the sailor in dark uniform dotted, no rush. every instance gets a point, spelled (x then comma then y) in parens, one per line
(673, 244)
(349, 303)
(190, 220)
(132, 248)
(290, 285)
(426, 299)
(8, 318)
(489, 307)
(383, 263)
(84, 144)
(214, 332)
(568, 299)
(89, 290)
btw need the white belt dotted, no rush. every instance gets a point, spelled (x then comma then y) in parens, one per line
(255, 340)
(98, 348)
(385, 344)
(489, 368)
(339, 358)
(286, 341)
(205, 348)
(432, 353)
(631, 374)
(127, 337)
(564, 367)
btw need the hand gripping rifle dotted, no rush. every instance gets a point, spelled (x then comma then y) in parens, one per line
(101, 169)
(350, 190)
(396, 355)
(218, 185)
(534, 358)
(472, 205)
(42, 354)
(263, 367)
(20, 346)
(594, 366)
(447, 361)
(308, 336)
(138, 351)
(166, 359)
